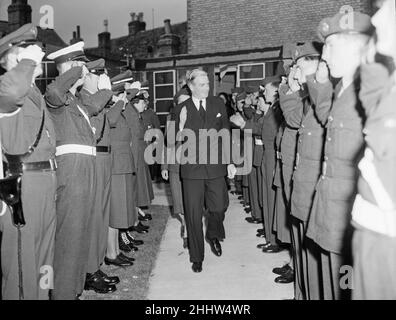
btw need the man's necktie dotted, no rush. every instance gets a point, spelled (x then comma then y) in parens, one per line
(202, 111)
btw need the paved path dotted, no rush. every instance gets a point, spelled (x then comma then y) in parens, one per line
(243, 272)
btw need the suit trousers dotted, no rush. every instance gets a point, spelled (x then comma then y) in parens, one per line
(198, 195)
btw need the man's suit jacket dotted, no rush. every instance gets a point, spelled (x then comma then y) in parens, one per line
(217, 119)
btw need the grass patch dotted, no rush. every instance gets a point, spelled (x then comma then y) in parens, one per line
(134, 281)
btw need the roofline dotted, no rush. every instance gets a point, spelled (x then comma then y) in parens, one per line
(208, 55)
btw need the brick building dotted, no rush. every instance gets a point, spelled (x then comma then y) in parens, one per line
(19, 14)
(237, 42)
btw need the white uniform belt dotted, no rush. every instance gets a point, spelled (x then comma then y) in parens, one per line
(75, 148)
(371, 217)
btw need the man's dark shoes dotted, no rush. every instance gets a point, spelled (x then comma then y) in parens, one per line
(215, 246)
(272, 249)
(108, 279)
(96, 283)
(118, 261)
(261, 230)
(197, 267)
(288, 277)
(282, 270)
(263, 245)
(253, 220)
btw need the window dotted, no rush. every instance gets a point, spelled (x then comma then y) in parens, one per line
(250, 74)
(49, 74)
(164, 91)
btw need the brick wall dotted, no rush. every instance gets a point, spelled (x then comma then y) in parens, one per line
(229, 25)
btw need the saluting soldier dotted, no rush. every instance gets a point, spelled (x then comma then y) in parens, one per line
(94, 96)
(341, 112)
(75, 152)
(28, 140)
(299, 113)
(267, 127)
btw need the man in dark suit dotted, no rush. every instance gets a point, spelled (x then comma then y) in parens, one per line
(203, 177)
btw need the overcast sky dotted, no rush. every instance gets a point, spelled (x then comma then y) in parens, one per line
(89, 14)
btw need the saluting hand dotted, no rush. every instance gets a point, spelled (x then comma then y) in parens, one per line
(32, 52)
(183, 118)
(322, 74)
(104, 82)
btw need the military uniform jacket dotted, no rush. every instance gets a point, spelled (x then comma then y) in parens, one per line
(137, 128)
(120, 140)
(95, 104)
(310, 143)
(19, 131)
(258, 148)
(71, 126)
(216, 118)
(336, 188)
(293, 115)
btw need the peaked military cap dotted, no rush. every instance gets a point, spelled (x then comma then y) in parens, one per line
(97, 66)
(25, 35)
(353, 22)
(75, 52)
(308, 49)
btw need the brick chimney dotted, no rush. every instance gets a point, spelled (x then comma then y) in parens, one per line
(104, 38)
(136, 24)
(169, 43)
(76, 36)
(19, 14)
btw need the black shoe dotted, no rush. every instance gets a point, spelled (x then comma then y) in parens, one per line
(141, 225)
(96, 283)
(240, 197)
(124, 243)
(248, 210)
(288, 277)
(250, 219)
(145, 217)
(138, 229)
(282, 270)
(108, 279)
(263, 245)
(272, 249)
(132, 240)
(197, 267)
(124, 257)
(215, 246)
(261, 230)
(119, 262)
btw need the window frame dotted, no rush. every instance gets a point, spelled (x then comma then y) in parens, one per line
(239, 66)
(163, 85)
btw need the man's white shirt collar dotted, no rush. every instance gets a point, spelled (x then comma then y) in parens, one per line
(196, 102)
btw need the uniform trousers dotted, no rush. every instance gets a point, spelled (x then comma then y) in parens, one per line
(76, 175)
(100, 222)
(38, 240)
